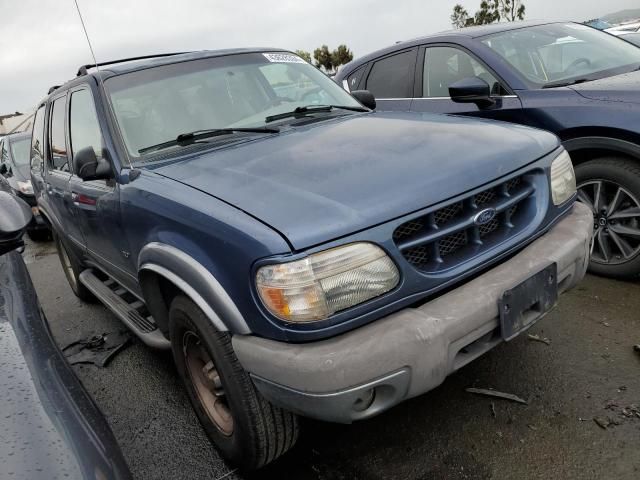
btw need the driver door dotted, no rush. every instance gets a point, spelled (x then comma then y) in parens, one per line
(439, 66)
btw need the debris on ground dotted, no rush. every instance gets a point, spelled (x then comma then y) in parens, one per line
(637, 348)
(605, 422)
(496, 394)
(606, 324)
(631, 411)
(493, 410)
(98, 350)
(538, 338)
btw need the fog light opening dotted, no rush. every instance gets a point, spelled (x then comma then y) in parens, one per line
(364, 400)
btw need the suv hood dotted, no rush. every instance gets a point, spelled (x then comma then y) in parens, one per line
(619, 88)
(335, 177)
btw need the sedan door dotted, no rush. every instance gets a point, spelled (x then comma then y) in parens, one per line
(441, 65)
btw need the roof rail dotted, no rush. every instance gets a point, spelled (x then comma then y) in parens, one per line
(53, 89)
(83, 69)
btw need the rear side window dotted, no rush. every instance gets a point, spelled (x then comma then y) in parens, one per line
(392, 77)
(4, 154)
(84, 129)
(37, 141)
(58, 160)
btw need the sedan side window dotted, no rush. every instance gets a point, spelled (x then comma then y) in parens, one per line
(444, 66)
(392, 77)
(84, 129)
(58, 159)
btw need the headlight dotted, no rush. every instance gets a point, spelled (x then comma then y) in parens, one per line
(25, 187)
(563, 179)
(324, 283)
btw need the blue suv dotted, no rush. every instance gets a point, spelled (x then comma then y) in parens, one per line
(299, 253)
(575, 81)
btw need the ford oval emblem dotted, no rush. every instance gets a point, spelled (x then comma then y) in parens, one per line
(485, 216)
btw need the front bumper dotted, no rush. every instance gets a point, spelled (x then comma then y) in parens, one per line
(368, 370)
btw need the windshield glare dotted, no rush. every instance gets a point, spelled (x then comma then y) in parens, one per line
(158, 104)
(20, 151)
(557, 52)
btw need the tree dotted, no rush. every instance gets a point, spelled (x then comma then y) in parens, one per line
(304, 55)
(460, 17)
(490, 11)
(341, 56)
(511, 10)
(323, 58)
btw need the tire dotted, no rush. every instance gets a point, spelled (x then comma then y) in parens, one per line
(72, 269)
(616, 252)
(258, 432)
(40, 235)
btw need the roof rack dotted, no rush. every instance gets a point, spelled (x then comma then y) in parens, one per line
(83, 69)
(53, 89)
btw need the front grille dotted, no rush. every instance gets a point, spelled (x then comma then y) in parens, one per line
(449, 235)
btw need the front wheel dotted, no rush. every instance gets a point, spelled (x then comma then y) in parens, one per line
(610, 187)
(248, 430)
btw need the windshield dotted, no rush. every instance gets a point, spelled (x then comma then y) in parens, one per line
(156, 105)
(20, 151)
(549, 54)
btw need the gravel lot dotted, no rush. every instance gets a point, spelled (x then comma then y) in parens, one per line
(588, 371)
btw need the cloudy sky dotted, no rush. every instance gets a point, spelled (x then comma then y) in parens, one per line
(42, 42)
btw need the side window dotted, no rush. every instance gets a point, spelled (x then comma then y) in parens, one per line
(57, 142)
(392, 77)
(4, 155)
(353, 80)
(446, 65)
(37, 141)
(84, 129)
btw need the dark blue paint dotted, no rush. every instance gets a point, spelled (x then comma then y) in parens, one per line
(608, 107)
(279, 197)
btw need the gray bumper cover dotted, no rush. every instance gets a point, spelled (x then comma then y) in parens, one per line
(365, 371)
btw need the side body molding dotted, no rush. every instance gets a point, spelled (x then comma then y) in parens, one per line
(196, 282)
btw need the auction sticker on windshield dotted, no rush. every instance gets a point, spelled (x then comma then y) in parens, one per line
(283, 58)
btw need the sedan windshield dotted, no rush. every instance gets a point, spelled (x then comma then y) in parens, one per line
(157, 105)
(557, 54)
(20, 151)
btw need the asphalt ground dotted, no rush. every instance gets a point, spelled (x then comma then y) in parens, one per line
(588, 371)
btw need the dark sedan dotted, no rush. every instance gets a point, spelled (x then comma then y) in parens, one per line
(49, 426)
(578, 82)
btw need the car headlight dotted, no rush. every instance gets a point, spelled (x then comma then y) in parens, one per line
(563, 179)
(324, 283)
(25, 187)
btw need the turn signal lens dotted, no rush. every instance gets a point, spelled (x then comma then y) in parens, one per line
(563, 179)
(324, 283)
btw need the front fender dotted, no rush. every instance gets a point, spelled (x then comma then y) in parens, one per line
(195, 281)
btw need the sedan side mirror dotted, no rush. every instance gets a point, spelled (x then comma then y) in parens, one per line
(365, 97)
(89, 167)
(16, 215)
(472, 90)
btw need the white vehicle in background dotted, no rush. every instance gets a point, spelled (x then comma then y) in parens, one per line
(624, 28)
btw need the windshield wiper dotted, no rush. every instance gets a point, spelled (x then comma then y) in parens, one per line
(302, 111)
(189, 138)
(566, 83)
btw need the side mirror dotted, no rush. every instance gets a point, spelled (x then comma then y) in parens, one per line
(3, 169)
(472, 90)
(16, 215)
(365, 97)
(89, 167)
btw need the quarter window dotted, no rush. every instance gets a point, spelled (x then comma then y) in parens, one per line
(444, 66)
(83, 123)
(353, 80)
(59, 160)
(37, 141)
(392, 77)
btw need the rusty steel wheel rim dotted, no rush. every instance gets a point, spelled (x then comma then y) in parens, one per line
(207, 383)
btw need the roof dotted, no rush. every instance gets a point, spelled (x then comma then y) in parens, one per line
(19, 135)
(449, 35)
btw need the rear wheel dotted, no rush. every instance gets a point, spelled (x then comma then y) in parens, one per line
(41, 235)
(610, 187)
(248, 430)
(72, 269)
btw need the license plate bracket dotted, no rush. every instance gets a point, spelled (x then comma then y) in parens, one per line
(521, 306)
